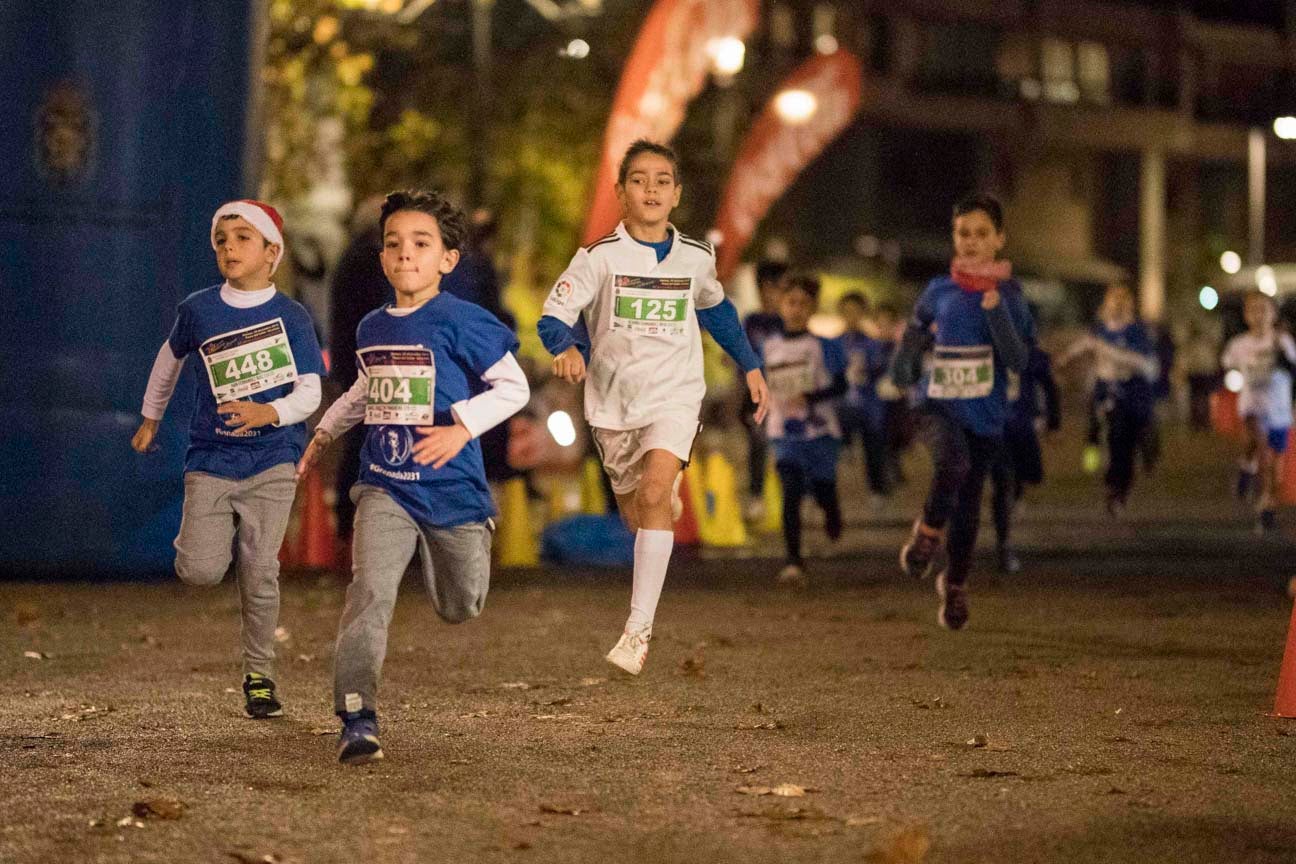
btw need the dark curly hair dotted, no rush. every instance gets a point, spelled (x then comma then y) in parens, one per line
(807, 282)
(450, 219)
(987, 204)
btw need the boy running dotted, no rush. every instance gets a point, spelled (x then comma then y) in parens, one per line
(807, 374)
(863, 410)
(1265, 356)
(422, 486)
(982, 328)
(260, 380)
(645, 289)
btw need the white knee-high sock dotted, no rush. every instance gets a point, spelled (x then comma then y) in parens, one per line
(652, 557)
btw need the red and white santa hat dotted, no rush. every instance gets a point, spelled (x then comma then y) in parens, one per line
(260, 216)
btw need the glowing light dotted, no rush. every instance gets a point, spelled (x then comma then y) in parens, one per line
(577, 49)
(826, 44)
(795, 107)
(1230, 262)
(561, 428)
(727, 54)
(1233, 381)
(1208, 297)
(1285, 128)
(1266, 281)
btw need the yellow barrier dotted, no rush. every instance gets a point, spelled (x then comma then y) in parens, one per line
(518, 546)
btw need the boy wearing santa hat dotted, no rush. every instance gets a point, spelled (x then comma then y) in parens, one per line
(257, 381)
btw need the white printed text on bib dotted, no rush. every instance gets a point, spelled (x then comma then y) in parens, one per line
(402, 385)
(243, 362)
(961, 372)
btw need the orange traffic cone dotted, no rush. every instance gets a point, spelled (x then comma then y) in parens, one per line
(686, 527)
(316, 538)
(1224, 416)
(1285, 702)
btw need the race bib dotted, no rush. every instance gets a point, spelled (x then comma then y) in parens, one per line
(1262, 364)
(651, 305)
(787, 380)
(961, 373)
(402, 384)
(243, 362)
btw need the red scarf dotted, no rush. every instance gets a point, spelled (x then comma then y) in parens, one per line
(979, 276)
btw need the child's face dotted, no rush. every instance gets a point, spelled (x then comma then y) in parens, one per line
(770, 291)
(976, 237)
(852, 313)
(241, 250)
(414, 257)
(795, 308)
(1259, 313)
(886, 324)
(1118, 305)
(650, 192)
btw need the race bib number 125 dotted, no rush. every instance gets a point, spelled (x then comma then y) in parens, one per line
(248, 361)
(650, 305)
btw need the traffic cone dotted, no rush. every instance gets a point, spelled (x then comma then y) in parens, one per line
(316, 542)
(593, 499)
(517, 543)
(1224, 416)
(1287, 473)
(722, 524)
(772, 522)
(686, 527)
(1285, 701)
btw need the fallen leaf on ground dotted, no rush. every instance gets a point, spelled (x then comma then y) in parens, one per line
(128, 821)
(87, 712)
(934, 702)
(978, 741)
(460, 761)
(35, 655)
(783, 790)
(282, 634)
(306, 658)
(161, 808)
(474, 714)
(773, 724)
(253, 858)
(324, 730)
(861, 821)
(554, 716)
(554, 703)
(694, 665)
(592, 682)
(788, 813)
(985, 773)
(562, 810)
(909, 845)
(743, 769)
(515, 685)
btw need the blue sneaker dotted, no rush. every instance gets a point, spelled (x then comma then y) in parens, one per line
(359, 744)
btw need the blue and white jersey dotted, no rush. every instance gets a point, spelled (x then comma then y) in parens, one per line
(965, 375)
(417, 366)
(244, 355)
(1119, 380)
(1266, 385)
(800, 369)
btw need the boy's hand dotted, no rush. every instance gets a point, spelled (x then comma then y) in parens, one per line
(440, 444)
(318, 444)
(247, 415)
(142, 440)
(990, 299)
(570, 365)
(759, 391)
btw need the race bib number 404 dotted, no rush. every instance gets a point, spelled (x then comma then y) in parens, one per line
(961, 373)
(402, 385)
(651, 305)
(243, 362)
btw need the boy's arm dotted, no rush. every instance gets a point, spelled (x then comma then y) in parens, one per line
(721, 321)
(1052, 401)
(300, 403)
(557, 336)
(574, 290)
(508, 394)
(347, 410)
(1008, 341)
(161, 383)
(906, 363)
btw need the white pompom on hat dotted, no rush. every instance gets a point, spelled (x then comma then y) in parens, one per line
(260, 216)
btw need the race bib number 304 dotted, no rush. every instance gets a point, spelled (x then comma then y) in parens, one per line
(402, 385)
(651, 305)
(243, 362)
(961, 373)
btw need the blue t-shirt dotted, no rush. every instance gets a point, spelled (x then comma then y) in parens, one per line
(465, 341)
(1135, 392)
(867, 361)
(237, 351)
(961, 325)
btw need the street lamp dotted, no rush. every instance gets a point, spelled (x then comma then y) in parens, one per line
(1285, 128)
(1266, 280)
(795, 107)
(727, 54)
(1231, 263)
(1208, 297)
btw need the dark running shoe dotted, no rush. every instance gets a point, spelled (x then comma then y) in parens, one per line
(1268, 522)
(259, 693)
(833, 524)
(359, 741)
(1245, 484)
(917, 555)
(952, 613)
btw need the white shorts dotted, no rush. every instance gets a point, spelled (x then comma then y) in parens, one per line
(623, 450)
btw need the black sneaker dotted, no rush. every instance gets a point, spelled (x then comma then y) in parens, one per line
(359, 742)
(1245, 484)
(952, 613)
(259, 691)
(833, 524)
(917, 555)
(1008, 560)
(1268, 522)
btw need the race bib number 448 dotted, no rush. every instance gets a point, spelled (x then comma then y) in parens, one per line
(651, 305)
(402, 385)
(243, 362)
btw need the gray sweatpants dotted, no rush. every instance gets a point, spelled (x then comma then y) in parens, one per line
(256, 510)
(456, 572)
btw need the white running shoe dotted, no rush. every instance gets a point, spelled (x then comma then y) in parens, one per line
(793, 576)
(631, 650)
(677, 503)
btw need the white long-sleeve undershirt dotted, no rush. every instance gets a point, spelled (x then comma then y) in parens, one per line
(293, 408)
(508, 394)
